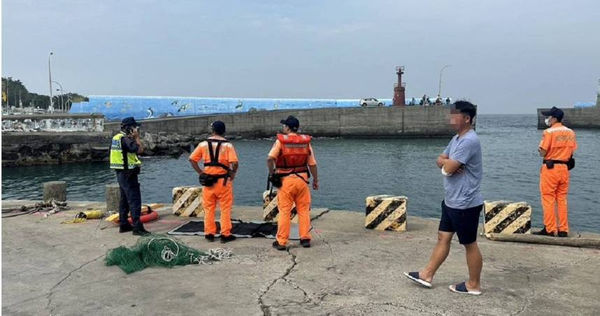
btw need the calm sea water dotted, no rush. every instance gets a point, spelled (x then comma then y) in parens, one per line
(351, 169)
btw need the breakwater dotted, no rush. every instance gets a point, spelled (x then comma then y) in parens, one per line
(26, 144)
(24, 149)
(575, 117)
(377, 122)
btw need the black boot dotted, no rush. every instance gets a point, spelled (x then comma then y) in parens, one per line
(305, 243)
(543, 232)
(277, 246)
(139, 230)
(125, 228)
(226, 239)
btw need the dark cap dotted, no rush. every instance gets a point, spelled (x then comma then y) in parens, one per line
(554, 112)
(129, 121)
(218, 127)
(291, 122)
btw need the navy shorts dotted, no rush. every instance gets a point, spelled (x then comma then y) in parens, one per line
(463, 222)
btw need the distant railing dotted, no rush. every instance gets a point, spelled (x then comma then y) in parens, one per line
(53, 123)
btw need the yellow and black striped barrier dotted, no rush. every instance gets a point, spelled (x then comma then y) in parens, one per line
(503, 217)
(187, 201)
(386, 212)
(270, 210)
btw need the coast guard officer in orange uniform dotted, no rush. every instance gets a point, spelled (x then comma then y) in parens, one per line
(557, 147)
(291, 162)
(220, 167)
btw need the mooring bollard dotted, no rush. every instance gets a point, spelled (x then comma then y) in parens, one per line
(386, 212)
(113, 197)
(55, 190)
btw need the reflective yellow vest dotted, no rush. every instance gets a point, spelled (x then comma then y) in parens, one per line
(117, 161)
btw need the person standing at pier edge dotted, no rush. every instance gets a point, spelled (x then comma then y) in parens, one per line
(461, 165)
(123, 158)
(291, 161)
(557, 147)
(220, 167)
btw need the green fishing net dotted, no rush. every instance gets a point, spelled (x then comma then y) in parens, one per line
(160, 250)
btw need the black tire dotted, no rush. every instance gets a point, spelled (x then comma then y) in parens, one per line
(380, 104)
(364, 105)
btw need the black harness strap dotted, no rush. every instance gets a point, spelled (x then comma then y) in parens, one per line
(296, 173)
(560, 162)
(214, 158)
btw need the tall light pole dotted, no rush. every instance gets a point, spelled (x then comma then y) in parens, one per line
(61, 93)
(440, 83)
(50, 82)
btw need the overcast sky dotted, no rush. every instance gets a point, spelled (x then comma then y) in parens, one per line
(506, 56)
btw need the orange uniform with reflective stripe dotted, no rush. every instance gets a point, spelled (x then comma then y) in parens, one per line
(219, 192)
(294, 190)
(559, 143)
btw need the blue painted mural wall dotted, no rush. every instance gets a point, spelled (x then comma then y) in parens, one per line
(143, 107)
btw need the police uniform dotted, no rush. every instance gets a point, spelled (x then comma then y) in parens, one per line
(124, 160)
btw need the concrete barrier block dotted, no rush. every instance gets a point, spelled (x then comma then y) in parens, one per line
(270, 210)
(504, 217)
(113, 197)
(187, 201)
(386, 212)
(55, 190)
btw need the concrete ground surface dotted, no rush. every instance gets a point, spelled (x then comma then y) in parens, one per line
(50, 268)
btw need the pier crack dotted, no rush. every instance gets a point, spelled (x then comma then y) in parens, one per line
(55, 286)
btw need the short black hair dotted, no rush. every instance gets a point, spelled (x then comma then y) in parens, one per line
(466, 107)
(218, 127)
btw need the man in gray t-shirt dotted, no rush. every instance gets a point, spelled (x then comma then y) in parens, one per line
(461, 165)
(462, 188)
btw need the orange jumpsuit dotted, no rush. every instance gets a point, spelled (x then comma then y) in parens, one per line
(559, 143)
(294, 190)
(218, 192)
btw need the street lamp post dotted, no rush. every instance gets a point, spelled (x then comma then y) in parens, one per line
(50, 82)
(440, 83)
(62, 107)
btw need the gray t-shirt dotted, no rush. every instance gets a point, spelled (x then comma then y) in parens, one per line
(462, 189)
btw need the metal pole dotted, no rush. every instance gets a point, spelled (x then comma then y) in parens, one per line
(440, 83)
(50, 82)
(61, 93)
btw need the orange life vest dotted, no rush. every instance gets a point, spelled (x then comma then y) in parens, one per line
(295, 150)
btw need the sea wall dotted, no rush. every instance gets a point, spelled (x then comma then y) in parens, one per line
(176, 135)
(575, 117)
(26, 148)
(332, 122)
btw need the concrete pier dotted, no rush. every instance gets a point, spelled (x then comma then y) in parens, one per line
(388, 121)
(575, 117)
(57, 269)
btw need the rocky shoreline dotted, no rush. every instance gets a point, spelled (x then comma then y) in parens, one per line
(28, 149)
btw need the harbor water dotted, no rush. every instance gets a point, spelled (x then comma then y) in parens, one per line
(351, 169)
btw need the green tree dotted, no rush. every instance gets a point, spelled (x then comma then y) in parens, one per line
(15, 90)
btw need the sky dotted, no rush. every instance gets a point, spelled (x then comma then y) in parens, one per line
(505, 56)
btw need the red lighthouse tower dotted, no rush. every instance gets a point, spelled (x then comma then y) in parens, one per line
(399, 88)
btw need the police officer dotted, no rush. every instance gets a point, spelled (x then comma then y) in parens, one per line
(556, 147)
(124, 160)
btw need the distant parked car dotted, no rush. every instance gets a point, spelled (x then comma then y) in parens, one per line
(370, 102)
